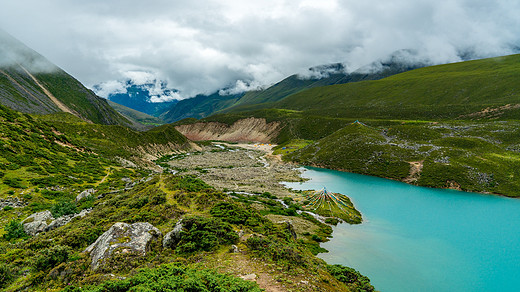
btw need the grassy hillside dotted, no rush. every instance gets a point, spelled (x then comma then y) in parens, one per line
(80, 99)
(35, 154)
(295, 83)
(115, 140)
(471, 156)
(200, 261)
(449, 91)
(224, 237)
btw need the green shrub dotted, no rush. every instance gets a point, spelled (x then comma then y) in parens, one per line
(14, 183)
(189, 183)
(158, 198)
(63, 208)
(316, 238)
(230, 212)
(51, 257)
(281, 252)
(138, 202)
(236, 214)
(332, 221)
(173, 277)
(204, 234)
(7, 208)
(14, 230)
(351, 277)
(86, 202)
(6, 275)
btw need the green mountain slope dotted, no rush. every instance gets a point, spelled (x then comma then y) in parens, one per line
(444, 91)
(295, 83)
(30, 83)
(136, 116)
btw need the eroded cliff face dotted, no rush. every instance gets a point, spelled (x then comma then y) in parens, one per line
(245, 130)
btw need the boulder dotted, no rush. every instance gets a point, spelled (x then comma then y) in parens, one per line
(234, 249)
(37, 222)
(249, 277)
(84, 194)
(171, 238)
(58, 222)
(127, 238)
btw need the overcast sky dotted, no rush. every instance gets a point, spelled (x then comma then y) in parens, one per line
(200, 46)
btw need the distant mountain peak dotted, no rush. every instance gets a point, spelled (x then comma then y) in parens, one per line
(149, 97)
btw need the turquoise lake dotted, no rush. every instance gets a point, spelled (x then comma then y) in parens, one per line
(421, 239)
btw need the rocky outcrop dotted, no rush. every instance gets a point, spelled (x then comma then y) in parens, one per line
(63, 220)
(84, 194)
(245, 130)
(44, 221)
(171, 238)
(12, 202)
(37, 222)
(123, 238)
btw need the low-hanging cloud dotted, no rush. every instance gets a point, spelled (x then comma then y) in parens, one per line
(203, 46)
(14, 54)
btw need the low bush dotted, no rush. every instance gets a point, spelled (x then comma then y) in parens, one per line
(63, 208)
(174, 277)
(351, 277)
(51, 257)
(204, 234)
(6, 275)
(14, 183)
(14, 230)
(286, 254)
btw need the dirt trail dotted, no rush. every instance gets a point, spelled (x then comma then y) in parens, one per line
(415, 171)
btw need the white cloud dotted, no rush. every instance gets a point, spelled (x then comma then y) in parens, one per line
(170, 96)
(110, 87)
(202, 46)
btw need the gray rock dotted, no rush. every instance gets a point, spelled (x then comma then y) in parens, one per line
(13, 202)
(37, 222)
(171, 238)
(127, 238)
(234, 249)
(249, 277)
(130, 185)
(84, 194)
(63, 220)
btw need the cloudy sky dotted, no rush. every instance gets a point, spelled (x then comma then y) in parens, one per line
(199, 46)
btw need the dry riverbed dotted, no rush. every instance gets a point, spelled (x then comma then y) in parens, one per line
(247, 168)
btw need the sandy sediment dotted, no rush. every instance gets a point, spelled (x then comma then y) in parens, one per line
(243, 167)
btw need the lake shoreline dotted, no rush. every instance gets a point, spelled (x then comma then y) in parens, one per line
(408, 237)
(402, 181)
